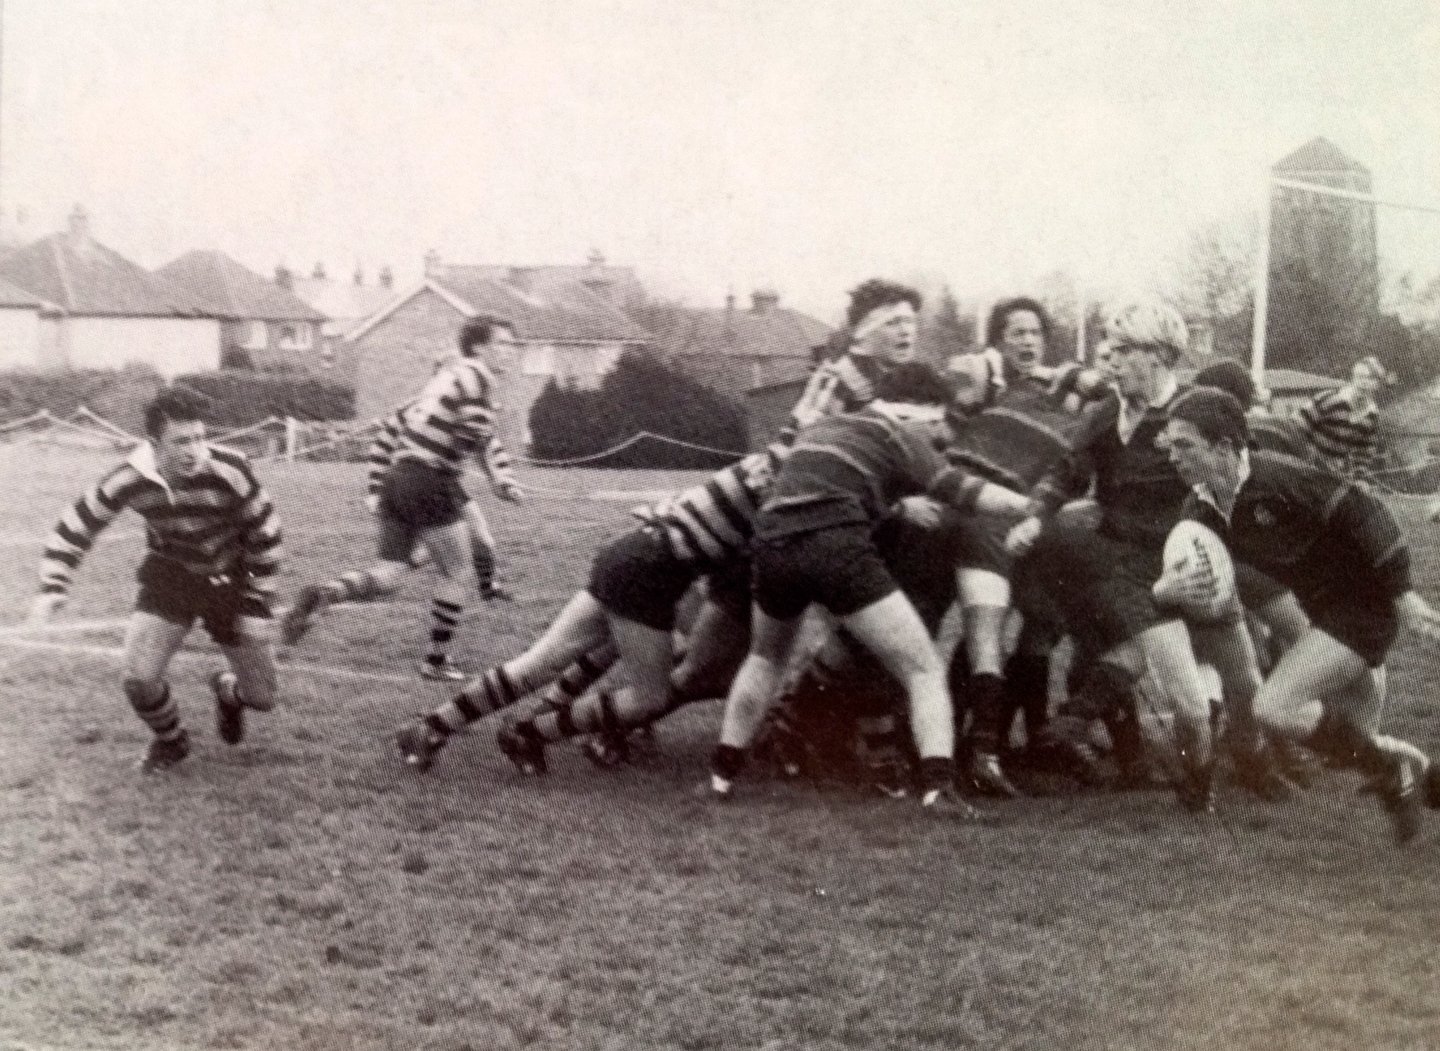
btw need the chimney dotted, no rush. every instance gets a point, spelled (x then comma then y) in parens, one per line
(432, 263)
(319, 272)
(359, 276)
(283, 277)
(764, 300)
(729, 302)
(79, 225)
(387, 277)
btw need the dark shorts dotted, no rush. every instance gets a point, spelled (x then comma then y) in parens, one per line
(415, 498)
(982, 544)
(1256, 589)
(638, 577)
(838, 568)
(728, 586)
(1364, 624)
(1100, 586)
(171, 592)
(922, 561)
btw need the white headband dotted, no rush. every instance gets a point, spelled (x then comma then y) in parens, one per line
(881, 316)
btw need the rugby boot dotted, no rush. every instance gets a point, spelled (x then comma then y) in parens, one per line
(162, 755)
(419, 744)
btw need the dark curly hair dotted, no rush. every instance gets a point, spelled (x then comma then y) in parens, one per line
(174, 405)
(478, 331)
(1000, 317)
(875, 293)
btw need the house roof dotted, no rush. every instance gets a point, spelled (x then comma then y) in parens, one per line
(1319, 155)
(617, 283)
(549, 311)
(343, 301)
(227, 289)
(81, 276)
(773, 332)
(12, 297)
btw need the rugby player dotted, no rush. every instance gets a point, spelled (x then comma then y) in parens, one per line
(421, 499)
(212, 551)
(1101, 580)
(1339, 550)
(814, 544)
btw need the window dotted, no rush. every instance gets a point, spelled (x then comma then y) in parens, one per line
(296, 335)
(257, 336)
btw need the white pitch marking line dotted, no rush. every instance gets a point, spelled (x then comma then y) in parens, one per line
(61, 627)
(281, 666)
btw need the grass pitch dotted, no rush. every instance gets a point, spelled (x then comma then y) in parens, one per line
(306, 891)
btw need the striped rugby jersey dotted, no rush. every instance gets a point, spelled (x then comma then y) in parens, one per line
(1344, 433)
(843, 385)
(218, 522)
(495, 460)
(452, 417)
(716, 519)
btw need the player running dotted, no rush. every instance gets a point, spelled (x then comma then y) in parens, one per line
(213, 549)
(421, 498)
(1339, 550)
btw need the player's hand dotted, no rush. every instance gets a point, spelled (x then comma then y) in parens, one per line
(511, 493)
(1418, 615)
(1189, 587)
(372, 503)
(44, 607)
(1022, 537)
(920, 511)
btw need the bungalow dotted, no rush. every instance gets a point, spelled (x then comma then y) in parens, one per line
(100, 310)
(566, 332)
(269, 324)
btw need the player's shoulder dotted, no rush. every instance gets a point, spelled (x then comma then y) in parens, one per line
(234, 467)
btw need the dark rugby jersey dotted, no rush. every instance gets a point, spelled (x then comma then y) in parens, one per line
(453, 417)
(1322, 537)
(381, 454)
(849, 469)
(1136, 486)
(1021, 433)
(218, 522)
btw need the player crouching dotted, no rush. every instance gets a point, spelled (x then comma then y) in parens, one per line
(213, 543)
(1342, 554)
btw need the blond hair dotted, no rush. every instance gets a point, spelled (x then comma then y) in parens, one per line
(1149, 323)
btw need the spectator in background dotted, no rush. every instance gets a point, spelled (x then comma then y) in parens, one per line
(1343, 425)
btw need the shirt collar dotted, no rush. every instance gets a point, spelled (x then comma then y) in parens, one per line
(143, 460)
(1130, 419)
(1207, 495)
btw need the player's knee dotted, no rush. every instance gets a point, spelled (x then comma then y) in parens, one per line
(142, 692)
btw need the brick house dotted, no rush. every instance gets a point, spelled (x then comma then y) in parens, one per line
(268, 323)
(567, 333)
(100, 310)
(759, 357)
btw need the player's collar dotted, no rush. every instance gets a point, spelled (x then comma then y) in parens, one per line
(1207, 495)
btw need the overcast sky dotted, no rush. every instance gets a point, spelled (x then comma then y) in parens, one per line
(713, 145)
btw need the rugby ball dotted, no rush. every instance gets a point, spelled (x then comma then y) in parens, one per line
(1198, 578)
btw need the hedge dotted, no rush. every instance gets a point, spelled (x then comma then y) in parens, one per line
(640, 394)
(241, 397)
(119, 395)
